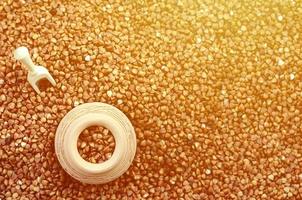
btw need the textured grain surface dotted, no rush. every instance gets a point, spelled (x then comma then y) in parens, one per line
(96, 144)
(212, 89)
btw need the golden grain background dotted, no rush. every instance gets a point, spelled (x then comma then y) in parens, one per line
(213, 89)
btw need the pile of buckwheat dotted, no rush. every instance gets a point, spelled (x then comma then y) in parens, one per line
(213, 90)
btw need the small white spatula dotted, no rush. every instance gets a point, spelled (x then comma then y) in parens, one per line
(36, 73)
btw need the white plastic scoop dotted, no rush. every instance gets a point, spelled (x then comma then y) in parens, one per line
(36, 73)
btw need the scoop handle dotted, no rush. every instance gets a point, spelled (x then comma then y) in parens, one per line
(22, 54)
